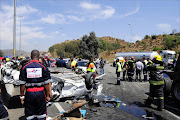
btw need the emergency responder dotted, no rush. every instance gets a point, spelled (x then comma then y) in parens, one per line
(61, 62)
(35, 78)
(149, 62)
(145, 69)
(124, 67)
(73, 64)
(118, 71)
(3, 112)
(90, 66)
(131, 68)
(156, 82)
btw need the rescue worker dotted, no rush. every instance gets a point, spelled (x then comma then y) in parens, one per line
(156, 82)
(124, 67)
(34, 77)
(3, 112)
(145, 69)
(61, 62)
(90, 66)
(73, 64)
(131, 68)
(118, 71)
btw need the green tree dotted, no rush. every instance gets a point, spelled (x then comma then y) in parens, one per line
(1, 53)
(146, 36)
(89, 46)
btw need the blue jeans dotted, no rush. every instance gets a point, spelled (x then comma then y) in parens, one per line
(102, 70)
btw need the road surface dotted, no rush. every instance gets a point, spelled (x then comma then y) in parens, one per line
(131, 96)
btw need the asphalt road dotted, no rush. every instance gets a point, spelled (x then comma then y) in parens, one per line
(132, 95)
(131, 98)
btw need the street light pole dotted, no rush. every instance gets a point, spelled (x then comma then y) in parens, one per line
(14, 30)
(20, 36)
(130, 35)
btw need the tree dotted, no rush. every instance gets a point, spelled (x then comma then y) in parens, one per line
(146, 36)
(1, 53)
(89, 46)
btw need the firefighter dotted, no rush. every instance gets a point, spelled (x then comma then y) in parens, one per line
(156, 82)
(131, 68)
(90, 66)
(73, 64)
(118, 71)
(145, 69)
(34, 77)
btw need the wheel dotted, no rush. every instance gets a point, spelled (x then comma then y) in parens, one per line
(176, 91)
(89, 80)
(167, 85)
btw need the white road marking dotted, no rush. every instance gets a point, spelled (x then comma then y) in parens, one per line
(173, 114)
(58, 106)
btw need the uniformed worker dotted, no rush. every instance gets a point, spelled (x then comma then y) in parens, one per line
(34, 77)
(3, 112)
(90, 66)
(124, 67)
(145, 69)
(156, 82)
(118, 71)
(131, 68)
(73, 64)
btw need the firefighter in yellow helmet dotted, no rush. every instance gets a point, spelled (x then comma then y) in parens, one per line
(156, 82)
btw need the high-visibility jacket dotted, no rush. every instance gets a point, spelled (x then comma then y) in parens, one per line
(145, 62)
(118, 67)
(149, 63)
(73, 64)
(90, 67)
(124, 64)
(156, 76)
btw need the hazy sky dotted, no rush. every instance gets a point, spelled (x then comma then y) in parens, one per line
(46, 22)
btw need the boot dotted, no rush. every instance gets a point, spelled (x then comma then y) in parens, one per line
(160, 105)
(148, 102)
(118, 82)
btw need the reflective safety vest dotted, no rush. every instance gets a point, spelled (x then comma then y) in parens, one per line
(90, 67)
(149, 63)
(118, 67)
(156, 76)
(73, 63)
(145, 62)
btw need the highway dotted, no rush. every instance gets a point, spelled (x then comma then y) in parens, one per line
(131, 96)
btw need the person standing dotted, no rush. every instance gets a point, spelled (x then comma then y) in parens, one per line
(139, 68)
(131, 68)
(118, 71)
(124, 67)
(102, 63)
(156, 83)
(145, 69)
(3, 112)
(48, 62)
(34, 77)
(73, 64)
(61, 62)
(90, 66)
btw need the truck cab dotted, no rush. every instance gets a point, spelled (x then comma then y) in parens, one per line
(168, 56)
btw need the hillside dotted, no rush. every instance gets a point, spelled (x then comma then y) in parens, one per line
(109, 45)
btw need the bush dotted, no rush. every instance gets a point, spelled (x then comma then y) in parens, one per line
(154, 36)
(157, 48)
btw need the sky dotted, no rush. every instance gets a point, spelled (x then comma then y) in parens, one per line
(48, 22)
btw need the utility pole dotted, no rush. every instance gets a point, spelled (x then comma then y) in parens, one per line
(20, 36)
(14, 30)
(130, 27)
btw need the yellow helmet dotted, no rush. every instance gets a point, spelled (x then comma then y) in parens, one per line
(158, 57)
